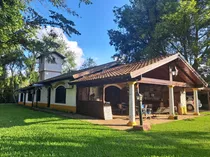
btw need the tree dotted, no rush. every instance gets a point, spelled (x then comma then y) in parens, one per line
(88, 63)
(135, 38)
(188, 31)
(18, 27)
(153, 28)
(18, 44)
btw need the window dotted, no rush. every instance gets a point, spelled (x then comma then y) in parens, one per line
(60, 95)
(90, 93)
(29, 96)
(38, 95)
(21, 97)
(95, 94)
(83, 93)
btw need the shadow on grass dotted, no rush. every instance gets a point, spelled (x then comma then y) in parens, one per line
(15, 115)
(42, 134)
(137, 144)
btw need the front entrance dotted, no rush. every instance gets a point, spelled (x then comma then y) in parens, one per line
(48, 97)
(112, 95)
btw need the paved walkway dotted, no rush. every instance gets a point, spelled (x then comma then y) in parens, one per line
(118, 122)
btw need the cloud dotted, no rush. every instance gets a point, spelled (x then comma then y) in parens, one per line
(71, 45)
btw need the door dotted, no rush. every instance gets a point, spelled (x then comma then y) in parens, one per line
(112, 95)
(48, 97)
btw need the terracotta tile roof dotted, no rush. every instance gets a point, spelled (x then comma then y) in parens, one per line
(78, 73)
(120, 70)
(115, 70)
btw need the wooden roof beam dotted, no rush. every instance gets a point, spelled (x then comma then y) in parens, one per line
(146, 80)
(181, 69)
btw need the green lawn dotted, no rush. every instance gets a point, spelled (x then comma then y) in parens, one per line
(24, 132)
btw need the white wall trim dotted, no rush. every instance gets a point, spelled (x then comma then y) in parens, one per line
(115, 85)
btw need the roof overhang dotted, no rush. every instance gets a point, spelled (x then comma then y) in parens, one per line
(153, 66)
(167, 60)
(54, 52)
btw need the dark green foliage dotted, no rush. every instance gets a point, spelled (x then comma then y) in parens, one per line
(19, 46)
(157, 27)
(188, 31)
(135, 37)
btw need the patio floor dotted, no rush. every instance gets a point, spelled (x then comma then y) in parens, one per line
(119, 122)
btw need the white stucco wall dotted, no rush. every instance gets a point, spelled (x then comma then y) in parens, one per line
(45, 65)
(44, 94)
(57, 66)
(70, 95)
(48, 69)
(49, 74)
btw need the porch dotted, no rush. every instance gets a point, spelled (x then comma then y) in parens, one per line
(162, 82)
(119, 122)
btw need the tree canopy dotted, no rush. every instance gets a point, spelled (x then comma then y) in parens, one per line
(88, 63)
(19, 46)
(157, 27)
(135, 37)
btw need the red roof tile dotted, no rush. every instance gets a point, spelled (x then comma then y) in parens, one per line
(120, 70)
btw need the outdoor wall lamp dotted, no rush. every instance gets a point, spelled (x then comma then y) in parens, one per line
(137, 97)
(174, 71)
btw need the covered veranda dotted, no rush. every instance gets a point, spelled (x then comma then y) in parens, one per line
(160, 79)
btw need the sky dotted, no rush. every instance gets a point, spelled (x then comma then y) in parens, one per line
(94, 22)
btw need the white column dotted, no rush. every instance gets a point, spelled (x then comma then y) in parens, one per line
(34, 98)
(183, 101)
(196, 105)
(132, 118)
(19, 95)
(26, 97)
(171, 102)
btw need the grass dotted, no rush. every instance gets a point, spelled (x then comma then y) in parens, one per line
(24, 132)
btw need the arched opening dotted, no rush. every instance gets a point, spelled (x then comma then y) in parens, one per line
(112, 95)
(113, 85)
(60, 95)
(48, 96)
(117, 96)
(21, 97)
(38, 95)
(30, 96)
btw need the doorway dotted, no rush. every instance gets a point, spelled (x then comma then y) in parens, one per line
(112, 95)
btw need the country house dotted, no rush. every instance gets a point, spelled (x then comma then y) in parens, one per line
(99, 90)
